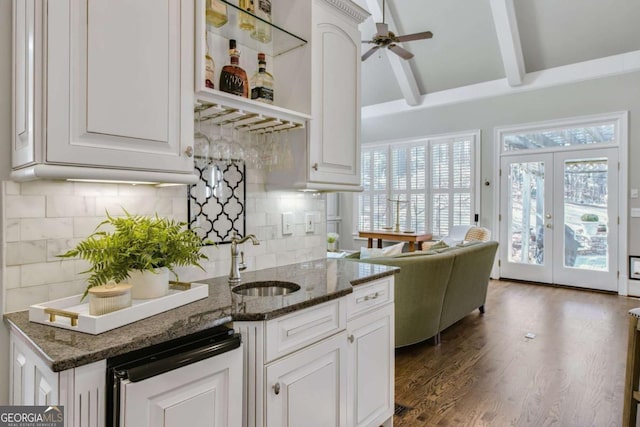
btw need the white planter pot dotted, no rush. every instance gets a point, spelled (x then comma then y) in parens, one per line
(148, 285)
(332, 247)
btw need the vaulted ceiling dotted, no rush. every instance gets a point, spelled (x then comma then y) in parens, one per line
(479, 41)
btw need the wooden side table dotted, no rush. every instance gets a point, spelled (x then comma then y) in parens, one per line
(393, 236)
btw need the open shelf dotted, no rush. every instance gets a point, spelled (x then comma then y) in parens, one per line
(282, 41)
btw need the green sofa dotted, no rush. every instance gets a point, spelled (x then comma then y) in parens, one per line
(436, 288)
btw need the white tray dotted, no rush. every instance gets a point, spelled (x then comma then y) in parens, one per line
(70, 313)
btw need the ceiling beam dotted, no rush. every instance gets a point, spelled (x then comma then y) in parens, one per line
(504, 19)
(401, 68)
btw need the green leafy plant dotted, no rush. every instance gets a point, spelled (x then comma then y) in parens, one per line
(332, 237)
(137, 243)
(589, 217)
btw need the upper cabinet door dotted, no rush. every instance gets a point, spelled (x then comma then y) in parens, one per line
(335, 131)
(120, 84)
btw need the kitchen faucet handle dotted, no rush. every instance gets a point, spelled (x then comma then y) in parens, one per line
(242, 266)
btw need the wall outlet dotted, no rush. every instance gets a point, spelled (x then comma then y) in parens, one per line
(309, 226)
(634, 193)
(287, 223)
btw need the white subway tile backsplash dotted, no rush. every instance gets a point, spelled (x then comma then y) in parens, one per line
(70, 206)
(57, 247)
(22, 298)
(12, 230)
(46, 218)
(26, 252)
(45, 228)
(66, 289)
(267, 260)
(46, 188)
(12, 188)
(25, 206)
(12, 277)
(46, 272)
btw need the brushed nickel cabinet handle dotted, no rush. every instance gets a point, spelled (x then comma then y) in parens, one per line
(276, 388)
(350, 338)
(189, 151)
(315, 167)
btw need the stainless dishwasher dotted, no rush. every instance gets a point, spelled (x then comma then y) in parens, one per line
(185, 381)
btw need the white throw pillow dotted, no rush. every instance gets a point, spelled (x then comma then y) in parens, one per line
(376, 253)
(370, 253)
(393, 249)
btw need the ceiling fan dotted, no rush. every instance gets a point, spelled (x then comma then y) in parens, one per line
(386, 38)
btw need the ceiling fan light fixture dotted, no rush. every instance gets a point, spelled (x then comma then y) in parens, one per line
(386, 38)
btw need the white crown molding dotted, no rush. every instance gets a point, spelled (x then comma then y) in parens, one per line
(588, 70)
(350, 9)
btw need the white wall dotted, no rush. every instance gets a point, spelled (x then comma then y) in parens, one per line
(5, 144)
(590, 97)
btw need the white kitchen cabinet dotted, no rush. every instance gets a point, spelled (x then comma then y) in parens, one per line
(187, 397)
(308, 388)
(304, 353)
(334, 133)
(371, 357)
(80, 390)
(330, 159)
(103, 90)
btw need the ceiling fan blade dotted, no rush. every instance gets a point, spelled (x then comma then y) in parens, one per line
(403, 53)
(370, 52)
(382, 28)
(368, 41)
(416, 36)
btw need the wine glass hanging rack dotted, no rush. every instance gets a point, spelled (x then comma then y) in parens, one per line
(242, 120)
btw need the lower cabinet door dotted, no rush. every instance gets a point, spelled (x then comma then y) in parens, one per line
(207, 393)
(308, 388)
(371, 368)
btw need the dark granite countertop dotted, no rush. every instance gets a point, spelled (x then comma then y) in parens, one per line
(320, 281)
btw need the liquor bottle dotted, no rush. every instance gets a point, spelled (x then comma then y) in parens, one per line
(262, 31)
(233, 79)
(245, 21)
(209, 68)
(262, 82)
(216, 13)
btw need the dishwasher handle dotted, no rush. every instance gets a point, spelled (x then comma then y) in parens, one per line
(166, 364)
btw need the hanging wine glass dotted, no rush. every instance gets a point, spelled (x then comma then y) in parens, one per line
(201, 144)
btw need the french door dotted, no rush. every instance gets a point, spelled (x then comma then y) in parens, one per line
(559, 218)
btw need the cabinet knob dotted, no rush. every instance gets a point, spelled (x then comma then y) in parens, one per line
(189, 151)
(350, 338)
(276, 388)
(315, 167)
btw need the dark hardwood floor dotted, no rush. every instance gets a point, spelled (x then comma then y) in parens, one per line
(486, 373)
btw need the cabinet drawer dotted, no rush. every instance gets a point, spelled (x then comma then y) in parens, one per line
(369, 295)
(297, 330)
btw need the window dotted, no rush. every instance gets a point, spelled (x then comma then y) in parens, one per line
(429, 184)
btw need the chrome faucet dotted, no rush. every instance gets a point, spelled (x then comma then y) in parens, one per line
(237, 267)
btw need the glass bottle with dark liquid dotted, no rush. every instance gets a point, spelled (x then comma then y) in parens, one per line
(233, 79)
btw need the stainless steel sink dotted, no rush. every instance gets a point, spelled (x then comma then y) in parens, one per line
(268, 288)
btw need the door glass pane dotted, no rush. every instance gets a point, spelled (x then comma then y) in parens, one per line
(586, 222)
(526, 227)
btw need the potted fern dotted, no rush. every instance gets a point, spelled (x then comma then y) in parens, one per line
(141, 251)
